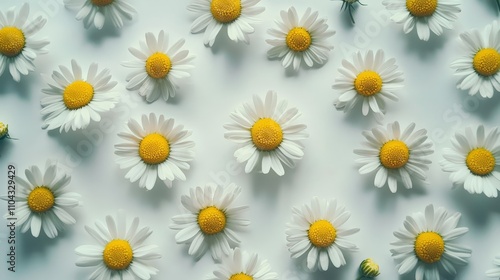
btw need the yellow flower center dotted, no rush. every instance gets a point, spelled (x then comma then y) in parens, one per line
(487, 62)
(225, 11)
(298, 39)
(154, 148)
(266, 134)
(240, 276)
(480, 161)
(41, 199)
(429, 247)
(421, 8)
(12, 41)
(78, 94)
(117, 254)
(158, 65)
(394, 154)
(101, 3)
(211, 220)
(368, 83)
(322, 233)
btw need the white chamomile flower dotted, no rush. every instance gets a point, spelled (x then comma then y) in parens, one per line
(428, 243)
(318, 230)
(18, 49)
(300, 39)
(394, 155)
(154, 150)
(494, 272)
(121, 252)
(474, 161)
(158, 67)
(96, 11)
(479, 68)
(369, 79)
(268, 130)
(426, 15)
(71, 101)
(212, 222)
(241, 265)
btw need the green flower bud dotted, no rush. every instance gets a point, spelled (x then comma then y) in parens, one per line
(369, 268)
(4, 130)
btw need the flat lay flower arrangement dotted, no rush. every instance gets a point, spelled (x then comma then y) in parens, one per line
(174, 153)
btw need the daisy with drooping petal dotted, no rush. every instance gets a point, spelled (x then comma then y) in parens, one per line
(121, 252)
(494, 272)
(318, 230)
(71, 101)
(240, 265)
(479, 69)
(212, 222)
(369, 79)
(18, 49)
(158, 67)
(300, 39)
(154, 150)
(394, 155)
(473, 161)
(428, 243)
(268, 130)
(96, 11)
(425, 15)
(235, 15)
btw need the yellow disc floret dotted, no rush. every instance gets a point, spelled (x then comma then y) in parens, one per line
(298, 39)
(394, 154)
(322, 233)
(429, 247)
(12, 41)
(158, 65)
(154, 148)
(240, 276)
(421, 8)
(225, 11)
(368, 83)
(487, 62)
(78, 94)
(266, 134)
(101, 3)
(41, 199)
(480, 161)
(117, 254)
(211, 220)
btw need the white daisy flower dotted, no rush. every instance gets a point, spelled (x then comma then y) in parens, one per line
(121, 252)
(427, 242)
(474, 161)
(479, 68)
(494, 272)
(370, 79)
(72, 101)
(96, 11)
(236, 15)
(394, 155)
(268, 130)
(158, 67)
(18, 49)
(154, 150)
(300, 39)
(240, 265)
(212, 222)
(318, 230)
(426, 15)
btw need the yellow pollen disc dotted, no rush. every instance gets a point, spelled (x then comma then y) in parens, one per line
(12, 41)
(240, 276)
(117, 254)
(158, 65)
(486, 62)
(394, 154)
(266, 134)
(41, 199)
(225, 11)
(154, 148)
(429, 247)
(298, 39)
(480, 161)
(421, 8)
(78, 94)
(211, 220)
(101, 3)
(322, 233)
(368, 83)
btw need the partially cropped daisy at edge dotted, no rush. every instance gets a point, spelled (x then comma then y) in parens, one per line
(155, 149)
(479, 68)
(428, 243)
(72, 101)
(18, 49)
(158, 66)
(121, 252)
(213, 221)
(424, 15)
(241, 265)
(494, 272)
(235, 15)
(473, 161)
(394, 155)
(97, 11)
(370, 79)
(317, 229)
(268, 130)
(300, 39)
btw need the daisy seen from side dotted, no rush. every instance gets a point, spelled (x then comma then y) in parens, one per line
(96, 12)
(241, 265)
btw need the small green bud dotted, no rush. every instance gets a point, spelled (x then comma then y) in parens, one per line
(369, 268)
(4, 131)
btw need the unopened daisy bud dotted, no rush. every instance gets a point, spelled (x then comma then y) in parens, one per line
(4, 131)
(369, 269)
